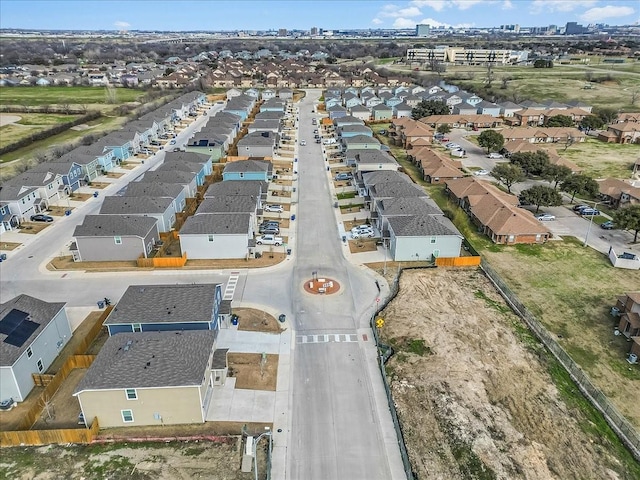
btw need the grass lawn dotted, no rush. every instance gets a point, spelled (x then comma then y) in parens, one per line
(29, 124)
(602, 160)
(65, 95)
(98, 125)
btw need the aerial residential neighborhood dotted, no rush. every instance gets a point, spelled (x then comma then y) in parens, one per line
(406, 252)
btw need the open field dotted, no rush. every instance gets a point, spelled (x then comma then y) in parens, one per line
(133, 461)
(31, 96)
(479, 397)
(29, 124)
(602, 160)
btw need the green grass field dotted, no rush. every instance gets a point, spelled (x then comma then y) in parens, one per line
(30, 123)
(32, 96)
(602, 160)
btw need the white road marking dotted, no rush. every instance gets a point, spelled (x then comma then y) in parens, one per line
(327, 338)
(232, 283)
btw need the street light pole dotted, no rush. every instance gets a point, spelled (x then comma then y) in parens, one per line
(586, 237)
(255, 453)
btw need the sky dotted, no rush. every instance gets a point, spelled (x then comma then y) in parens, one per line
(219, 15)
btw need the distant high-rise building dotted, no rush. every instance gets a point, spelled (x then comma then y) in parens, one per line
(314, 31)
(282, 32)
(573, 28)
(423, 30)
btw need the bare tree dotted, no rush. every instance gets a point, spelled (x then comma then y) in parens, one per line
(505, 81)
(40, 157)
(66, 108)
(634, 96)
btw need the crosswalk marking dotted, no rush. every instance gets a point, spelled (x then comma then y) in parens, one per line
(327, 338)
(230, 289)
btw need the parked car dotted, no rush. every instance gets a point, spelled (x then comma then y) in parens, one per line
(41, 218)
(608, 225)
(343, 176)
(494, 155)
(591, 212)
(545, 217)
(482, 172)
(383, 132)
(269, 240)
(577, 208)
(274, 208)
(269, 230)
(362, 231)
(453, 146)
(318, 140)
(172, 142)
(362, 228)
(303, 143)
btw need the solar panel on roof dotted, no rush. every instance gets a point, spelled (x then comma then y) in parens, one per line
(11, 320)
(21, 333)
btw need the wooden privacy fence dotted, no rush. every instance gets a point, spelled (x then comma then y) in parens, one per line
(46, 437)
(74, 361)
(93, 333)
(162, 262)
(458, 261)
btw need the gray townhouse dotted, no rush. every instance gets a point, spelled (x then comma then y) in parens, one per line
(171, 190)
(258, 144)
(251, 188)
(160, 208)
(217, 236)
(114, 238)
(50, 186)
(185, 179)
(20, 203)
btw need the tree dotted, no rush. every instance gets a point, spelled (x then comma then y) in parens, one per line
(629, 219)
(591, 122)
(606, 114)
(533, 163)
(541, 195)
(559, 121)
(444, 128)
(429, 107)
(541, 63)
(580, 185)
(508, 174)
(556, 173)
(491, 140)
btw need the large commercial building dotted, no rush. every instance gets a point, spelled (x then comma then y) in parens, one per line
(465, 56)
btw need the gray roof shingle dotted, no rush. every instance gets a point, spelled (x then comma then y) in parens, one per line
(420, 225)
(133, 205)
(150, 359)
(164, 304)
(246, 187)
(115, 225)
(225, 204)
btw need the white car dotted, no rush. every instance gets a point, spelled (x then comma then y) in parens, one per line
(453, 146)
(274, 208)
(268, 240)
(494, 155)
(482, 172)
(363, 234)
(303, 142)
(545, 217)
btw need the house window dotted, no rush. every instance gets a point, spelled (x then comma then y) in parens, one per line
(117, 240)
(137, 327)
(40, 365)
(131, 393)
(432, 240)
(29, 352)
(127, 416)
(211, 238)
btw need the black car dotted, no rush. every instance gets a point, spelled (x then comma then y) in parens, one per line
(608, 225)
(41, 218)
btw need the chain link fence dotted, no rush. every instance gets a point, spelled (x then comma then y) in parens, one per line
(620, 425)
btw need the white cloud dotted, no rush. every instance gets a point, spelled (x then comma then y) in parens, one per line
(507, 5)
(549, 6)
(437, 5)
(120, 24)
(404, 23)
(376, 21)
(466, 4)
(595, 15)
(394, 11)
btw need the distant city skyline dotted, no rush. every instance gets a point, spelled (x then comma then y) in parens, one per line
(249, 15)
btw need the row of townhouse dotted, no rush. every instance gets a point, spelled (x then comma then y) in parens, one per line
(45, 184)
(128, 226)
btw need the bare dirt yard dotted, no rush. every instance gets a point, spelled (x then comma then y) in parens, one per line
(9, 245)
(250, 375)
(478, 396)
(132, 461)
(253, 320)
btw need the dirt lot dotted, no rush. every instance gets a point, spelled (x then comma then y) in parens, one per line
(9, 245)
(132, 461)
(246, 368)
(58, 211)
(254, 320)
(474, 392)
(33, 227)
(80, 197)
